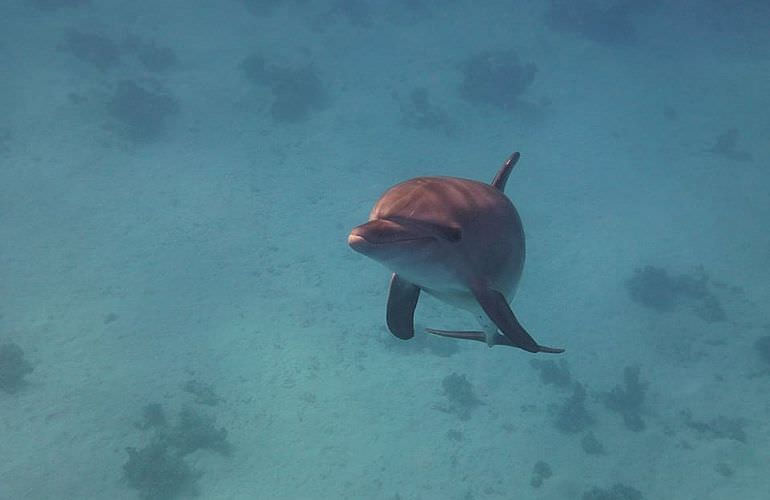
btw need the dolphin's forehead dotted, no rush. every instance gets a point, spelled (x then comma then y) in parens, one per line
(444, 200)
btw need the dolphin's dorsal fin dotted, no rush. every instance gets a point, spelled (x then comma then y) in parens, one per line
(502, 176)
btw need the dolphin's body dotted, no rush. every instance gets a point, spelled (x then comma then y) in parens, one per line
(459, 240)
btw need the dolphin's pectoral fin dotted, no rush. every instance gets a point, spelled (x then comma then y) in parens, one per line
(496, 307)
(402, 300)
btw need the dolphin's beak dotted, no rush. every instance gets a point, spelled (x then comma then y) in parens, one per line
(372, 233)
(356, 241)
(379, 232)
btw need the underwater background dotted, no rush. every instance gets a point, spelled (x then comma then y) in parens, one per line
(180, 314)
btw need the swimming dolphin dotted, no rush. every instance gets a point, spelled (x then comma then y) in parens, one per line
(459, 240)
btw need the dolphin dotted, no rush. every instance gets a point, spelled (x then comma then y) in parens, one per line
(458, 240)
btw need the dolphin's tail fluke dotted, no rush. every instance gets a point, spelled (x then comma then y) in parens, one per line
(467, 335)
(482, 337)
(550, 350)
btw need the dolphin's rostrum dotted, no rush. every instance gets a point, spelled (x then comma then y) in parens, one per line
(459, 240)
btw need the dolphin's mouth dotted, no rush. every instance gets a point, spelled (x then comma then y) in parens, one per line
(355, 239)
(383, 232)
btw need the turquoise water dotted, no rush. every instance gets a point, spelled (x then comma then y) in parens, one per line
(181, 317)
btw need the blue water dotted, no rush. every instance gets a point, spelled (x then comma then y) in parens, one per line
(180, 315)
